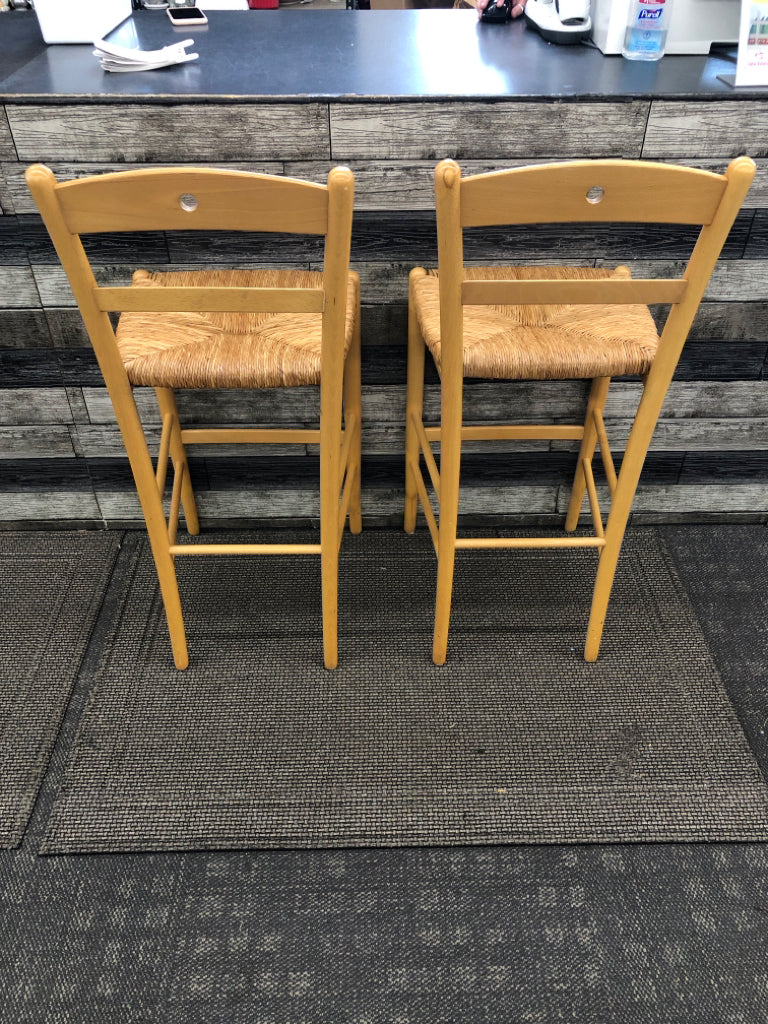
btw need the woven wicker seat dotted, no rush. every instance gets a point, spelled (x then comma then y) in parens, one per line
(553, 323)
(226, 349)
(208, 329)
(542, 342)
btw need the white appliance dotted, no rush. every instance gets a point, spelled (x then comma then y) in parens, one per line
(79, 21)
(564, 21)
(694, 26)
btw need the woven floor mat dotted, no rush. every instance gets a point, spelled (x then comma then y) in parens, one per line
(52, 589)
(515, 740)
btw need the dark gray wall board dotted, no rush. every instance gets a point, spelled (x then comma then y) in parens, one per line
(747, 321)
(24, 329)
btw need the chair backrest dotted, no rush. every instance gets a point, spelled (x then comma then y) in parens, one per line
(586, 191)
(177, 199)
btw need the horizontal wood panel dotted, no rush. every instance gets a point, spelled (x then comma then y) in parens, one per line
(29, 367)
(696, 434)
(38, 442)
(747, 321)
(728, 498)
(19, 290)
(60, 506)
(184, 133)
(432, 131)
(708, 467)
(23, 329)
(680, 129)
(135, 248)
(28, 406)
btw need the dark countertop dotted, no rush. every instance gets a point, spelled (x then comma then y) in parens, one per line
(304, 55)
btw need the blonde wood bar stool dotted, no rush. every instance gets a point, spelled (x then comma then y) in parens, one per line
(553, 323)
(243, 328)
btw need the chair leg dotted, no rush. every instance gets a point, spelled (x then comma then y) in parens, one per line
(353, 408)
(154, 517)
(413, 407)
(167, 404)
(626, 486)
(331, 393)
(450, 472)
(169, 590)
(597, 396)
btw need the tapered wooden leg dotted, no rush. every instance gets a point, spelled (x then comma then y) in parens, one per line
(169, 590)
(414, 405)
(450, 471)
(331, 388)
(450, 460)
(353, 410)
(628, 479)
(167, 402)
(597, 395)
(329, 558)
(157, 528)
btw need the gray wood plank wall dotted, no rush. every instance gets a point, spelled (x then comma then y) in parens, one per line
(61, 460)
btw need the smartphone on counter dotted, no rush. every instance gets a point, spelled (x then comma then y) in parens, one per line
(187, 16)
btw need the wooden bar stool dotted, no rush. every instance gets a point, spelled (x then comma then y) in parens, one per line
(208, 329)
(553, 323)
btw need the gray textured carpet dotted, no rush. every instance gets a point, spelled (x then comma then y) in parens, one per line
(52, 589)
(515, 740)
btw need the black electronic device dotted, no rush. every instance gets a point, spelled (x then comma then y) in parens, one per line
(498, 10)
(186, 16)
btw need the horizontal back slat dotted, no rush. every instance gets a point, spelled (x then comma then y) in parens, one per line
(210, 300)
(633, 191)
(610, 291)
(151, 200)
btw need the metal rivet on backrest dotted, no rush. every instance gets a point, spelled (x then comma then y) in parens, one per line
(595, 194)
(187, 202)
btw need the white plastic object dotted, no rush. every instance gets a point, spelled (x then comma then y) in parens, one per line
(79, 21)
(645, 37)
(696, 24)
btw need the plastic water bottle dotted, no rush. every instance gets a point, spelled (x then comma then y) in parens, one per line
(647, 28)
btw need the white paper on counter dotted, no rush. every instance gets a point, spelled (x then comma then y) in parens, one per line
(123, 58)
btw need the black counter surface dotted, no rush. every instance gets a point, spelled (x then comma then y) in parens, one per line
(304, 55)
